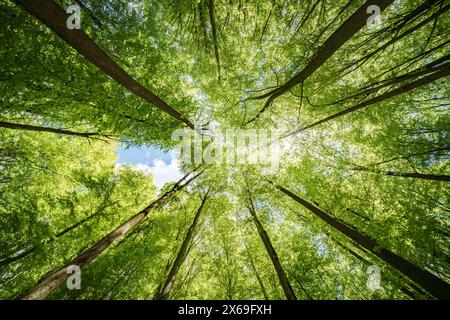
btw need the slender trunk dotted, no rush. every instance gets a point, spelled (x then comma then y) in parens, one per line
(347, 30)
(434, 177)
(122, 278)
(265, 27)
(54, 17)
(404, 34)
(403, 287)
(443, 72)
(258, 277)
(28, 127)
(287, 288)
(351, 252)
(415, 59)
(27, 251)
(434, 285)
(56, 277)
(437, 150)
(182, 253)
(203, 24)
(212, 20)
(166, 269)
(188, 277)
(303, 21)
(358, 214)
(23, 253)
(427, 69)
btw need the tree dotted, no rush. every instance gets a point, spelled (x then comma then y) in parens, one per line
(287, 288)
(47, 284)
(19, 126)
(360, 101)
(165, 289)
(437, 287)
(348, 29)
(55, 18)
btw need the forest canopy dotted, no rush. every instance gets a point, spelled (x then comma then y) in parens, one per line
(312, 136)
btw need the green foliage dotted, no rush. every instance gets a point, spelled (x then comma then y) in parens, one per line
(61, 194)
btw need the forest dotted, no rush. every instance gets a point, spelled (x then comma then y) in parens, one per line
(312, 140)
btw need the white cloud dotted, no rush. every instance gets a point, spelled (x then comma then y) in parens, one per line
(162, 172)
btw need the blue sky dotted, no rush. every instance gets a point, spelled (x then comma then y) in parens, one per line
(162, 165)
(136, 155)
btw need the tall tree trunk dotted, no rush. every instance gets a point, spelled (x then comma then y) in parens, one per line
(444, 71)
(358, 257)
(23, 253)
(350, 251)
(411, 155)
(53, 16)
(347, 30)
(122, 278)
(55, 278)
(30, 249)
(434, 285)
(212, 20)
(287, 288)
(182, 253)
(258, 277)
(375, 87)
(405, 287)
(265, 26)
(404, 34)
(28, 127)
(434, 177)
(305, 18)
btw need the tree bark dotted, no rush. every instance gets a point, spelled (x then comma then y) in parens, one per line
(54, 17)
(55, 278)
(284, 282)
(28, 127)
(434, 285)
(347, 30)
(164, 292)
(434, 177)
(258, 277)
(212, 20)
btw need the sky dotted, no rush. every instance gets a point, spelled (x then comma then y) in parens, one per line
(163, 166)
